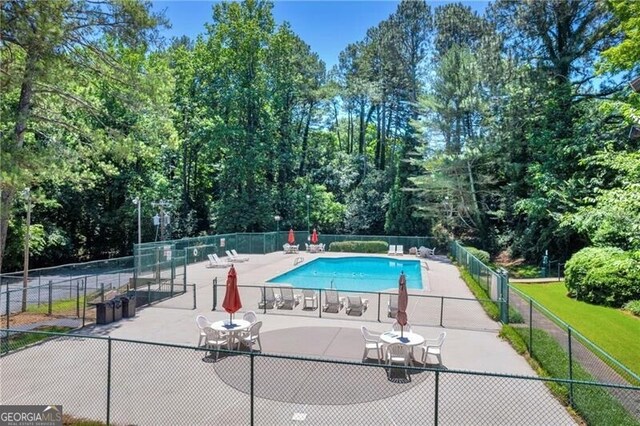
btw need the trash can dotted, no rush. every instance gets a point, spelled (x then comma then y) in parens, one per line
(104, 312)
(117, 309)
(128, 306)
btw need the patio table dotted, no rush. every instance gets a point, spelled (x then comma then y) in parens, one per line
(408, 338)
(233, 329)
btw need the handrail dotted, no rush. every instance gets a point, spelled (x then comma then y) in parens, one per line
(298, 260)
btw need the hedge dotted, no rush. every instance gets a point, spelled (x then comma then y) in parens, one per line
(604, 276)
(360, 246)
(481, 255)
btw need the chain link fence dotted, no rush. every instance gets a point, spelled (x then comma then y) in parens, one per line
(130, 382)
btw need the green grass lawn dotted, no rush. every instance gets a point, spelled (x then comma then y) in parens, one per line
(615, 331)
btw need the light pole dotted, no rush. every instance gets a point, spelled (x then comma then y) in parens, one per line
(27, 235)
(308, 212)
(277, 218)
(138, 202)
(161, 219)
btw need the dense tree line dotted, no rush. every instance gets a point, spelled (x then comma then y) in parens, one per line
(508, 130)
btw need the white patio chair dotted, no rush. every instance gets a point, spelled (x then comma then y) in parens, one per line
(252, 336)
(400, 250)
(392, 250)
(215, 340)
(250, 316)
(392, 306)
(371, 342)
(332, 301)
(397, 353)
(397, 327)
(356, 305)
(239, 258)
(202, 322)
(309, 299)
(267, 298)
(433, 347)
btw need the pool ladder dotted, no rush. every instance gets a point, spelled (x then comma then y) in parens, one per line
(298, 260)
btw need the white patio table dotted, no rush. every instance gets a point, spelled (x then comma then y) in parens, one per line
(233, 329)
(408, 339)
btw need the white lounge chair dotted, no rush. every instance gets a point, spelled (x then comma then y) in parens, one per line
(287, 299)
(238, 257)
(252, 336)
(371, 342)
(202, 322)
(267, 298)
(399, 250)
(397, 327)
(215, 262)
(215, 339)
(392, 250)
(309, 299)
(332, 302)
(392, 306)
(433, 347)
(397, 353)
(356, 305)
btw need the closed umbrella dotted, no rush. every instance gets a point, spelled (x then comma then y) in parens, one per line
(403, 301)
(292, 237)
(314, 237)
(232, 301)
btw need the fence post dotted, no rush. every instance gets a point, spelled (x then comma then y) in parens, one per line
(84, 298)
(252, 397)
(215, 293)
(194, 296)
(109, 381)
(50, 295)
(379, 302)
(435, 408)
(8, 296)
(441, 310)
(39, 288)
(530, 326)
(320, 303)
(78, 298)
(184, 270)
(102, 292)
(70, 286)
(570, 368)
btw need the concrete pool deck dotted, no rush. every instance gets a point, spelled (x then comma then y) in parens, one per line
(162, 378)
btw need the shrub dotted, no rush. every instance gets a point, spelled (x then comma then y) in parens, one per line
(603, 276)
(360, 246)
(633, 307)
(481, 255)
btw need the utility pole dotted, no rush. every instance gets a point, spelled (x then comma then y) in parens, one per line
(27, 235)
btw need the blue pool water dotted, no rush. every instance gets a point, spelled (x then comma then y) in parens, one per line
(353, 273)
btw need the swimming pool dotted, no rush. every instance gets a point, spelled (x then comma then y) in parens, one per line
(353, 273)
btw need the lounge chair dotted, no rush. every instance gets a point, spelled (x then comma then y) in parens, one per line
(392, 250)
(392, 306)
(230, 257)
(267, 298)
(371, 342)
(433, 347)
(252, 336)
(397, 353)
(426, 252)
(202, 322)
(356, 305)
(239, 258)
(287, 299)
(215, 262)
(309, 299)
(399, 250)
(332, 301)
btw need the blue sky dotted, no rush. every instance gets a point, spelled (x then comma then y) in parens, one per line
(327, 26)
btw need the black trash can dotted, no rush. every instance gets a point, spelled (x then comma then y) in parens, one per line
(117, 309)
(128, 306)
(104, 312)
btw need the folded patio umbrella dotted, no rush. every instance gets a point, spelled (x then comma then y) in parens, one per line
(403, 301)
(292, 237)
(232, 301)
(314, 237)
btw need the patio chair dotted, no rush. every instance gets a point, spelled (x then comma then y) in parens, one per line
(356, 305)
(392, 306)
(250, 316)
(400, 250)
(202, 322)
(371, 342)
(239, 258)
(287, 299)
(215, 262)
(332, 301)
(433, 347)
(397, 353)
(215, 340)
(309, 299)
(252, 336)
(321, 247)
(397, 327)
(267, 298)
(392, 250)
